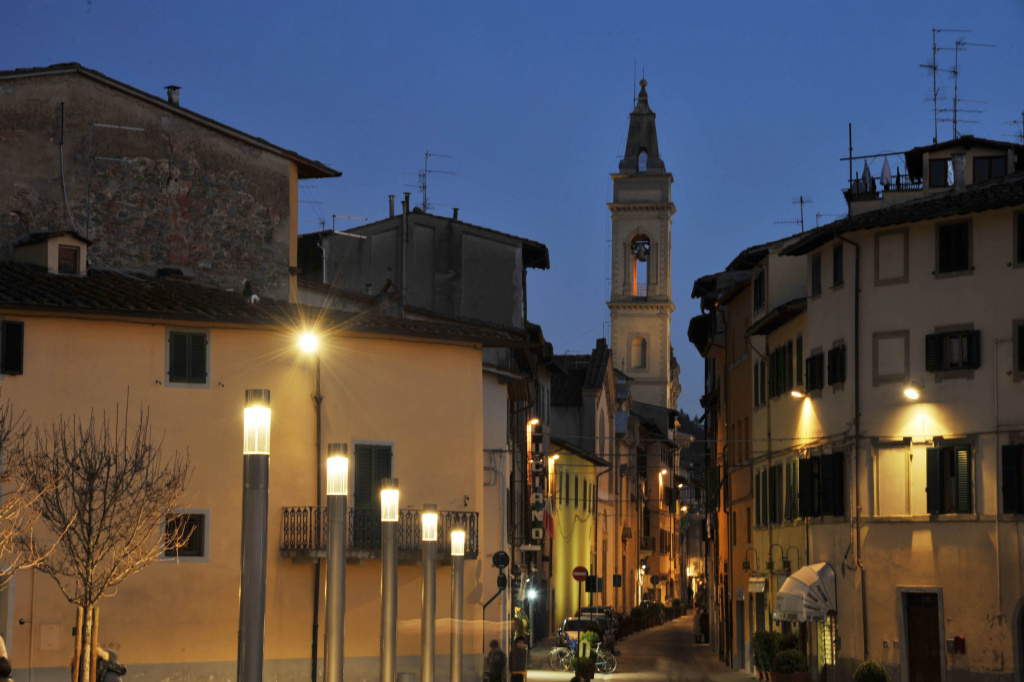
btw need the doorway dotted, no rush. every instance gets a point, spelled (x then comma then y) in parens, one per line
(924, 644)
(739, 657)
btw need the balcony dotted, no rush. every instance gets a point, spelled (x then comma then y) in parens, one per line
(304, 534)
(647, 543)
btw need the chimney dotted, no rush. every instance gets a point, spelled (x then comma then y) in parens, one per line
(455, 213)
(391, 205)
(172, 94)
(959, 167)
(405, 203)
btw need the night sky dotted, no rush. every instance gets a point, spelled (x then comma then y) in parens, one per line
(531, 102)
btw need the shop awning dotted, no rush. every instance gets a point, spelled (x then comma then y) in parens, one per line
(808, 594)
(757, 584)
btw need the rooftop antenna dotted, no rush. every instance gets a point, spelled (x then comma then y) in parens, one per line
(819, 215)
(933, 66)
(1018, 122)
(799, 200)
(335, 216)
(422, 176)
(960, 45)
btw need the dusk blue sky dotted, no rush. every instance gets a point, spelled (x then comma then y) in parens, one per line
(531, 101)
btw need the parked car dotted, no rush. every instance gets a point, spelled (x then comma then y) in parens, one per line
(572, 627)
(600, 610)
(608, 620)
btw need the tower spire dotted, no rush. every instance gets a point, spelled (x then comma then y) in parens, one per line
(642, 139)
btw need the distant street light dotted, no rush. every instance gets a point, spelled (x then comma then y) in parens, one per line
(458, 563)
(429, 612)
(337, 541)
(388, 579)
(253, 592)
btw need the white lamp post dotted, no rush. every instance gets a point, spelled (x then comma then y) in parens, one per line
(388, 579)
(337, 541)
(429, 545)
(253, 592)
(458, 560)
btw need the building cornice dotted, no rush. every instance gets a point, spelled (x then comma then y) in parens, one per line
(662, 208)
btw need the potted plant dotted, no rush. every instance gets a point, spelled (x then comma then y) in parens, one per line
(584, 667)
(790, 665)
(763, 644)
(870, 671)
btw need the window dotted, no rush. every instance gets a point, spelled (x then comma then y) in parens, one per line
(837, 365)
(940, 172)
(638, 353)
(1018, 349)
(760, 293)
(1018, 240)
(837, 265)
(67, 260)
(781, 379)
(815, 372)
(988, 167)
(1013, 479)
(953, 248)
(576, 491)
(815, 274)
(757, 383)
(800, 360)
(750, 536)
(372, 464)
(775, 490)
(732, 528)
(12, 347)
(949, 480)
(953, 350)
(790, 509)
(821, 485)
(789, 365)
(186, 357)
(189, 531)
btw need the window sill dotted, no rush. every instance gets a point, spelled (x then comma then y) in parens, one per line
(925, 518)
(953, 273)
(950, 374)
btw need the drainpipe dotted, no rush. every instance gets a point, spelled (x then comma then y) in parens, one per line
(768, 452)
(856, 435)
(405, 247)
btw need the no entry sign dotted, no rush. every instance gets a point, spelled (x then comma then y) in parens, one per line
(580, 573)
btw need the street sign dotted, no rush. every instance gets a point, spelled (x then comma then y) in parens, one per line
(579, 573)
(500, 560)
(655, 580)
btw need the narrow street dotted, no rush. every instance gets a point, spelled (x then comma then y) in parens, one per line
(666, 653)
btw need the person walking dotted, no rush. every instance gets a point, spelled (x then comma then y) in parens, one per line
(495, 663)
(518, 660)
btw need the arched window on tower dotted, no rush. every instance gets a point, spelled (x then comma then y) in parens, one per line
(641, 248)
(641, 162)
(638, 353)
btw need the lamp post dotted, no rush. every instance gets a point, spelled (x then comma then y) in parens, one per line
(309, 343)
(337, 539)
(253, 593)
(458, 561)
(388, 579)
(429, 545)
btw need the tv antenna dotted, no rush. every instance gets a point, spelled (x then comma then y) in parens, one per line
(799, 200)
(819, 215)
(933, 66)
(1018, 122)
(962, 44)
(421, 177)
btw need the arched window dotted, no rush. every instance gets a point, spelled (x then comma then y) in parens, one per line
(641, 162)
(640, 247)
(638, 353)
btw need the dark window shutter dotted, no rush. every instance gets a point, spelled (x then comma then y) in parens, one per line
(1020, 347)
(178, 356)
(757, 499)
(826, 490)
(789, 366)
(362, 489)
(1013, 477)
(963, 480)
(841, 364)
(197, 358)
(799, 361)
(932, 491)
(832, 366)
(805, 475)
(762, 383)
(974, 349)
(839, 484)
(773, 477)
(1020, 238)
(757, 382)
(764, 497)
(933, 352)
(787, 507)
(12, 347)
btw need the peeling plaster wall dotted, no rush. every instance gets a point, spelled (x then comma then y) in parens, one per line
(158, 191)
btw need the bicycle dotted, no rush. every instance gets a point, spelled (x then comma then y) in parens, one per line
(561, 658)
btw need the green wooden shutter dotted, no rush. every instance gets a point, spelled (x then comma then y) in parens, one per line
(197, 358)
(362, 488)
(178, 356)
(839, 488)
(764, 497)
(826, 490)
(1012, 479)
(773, 482)
(933, 490)
(788, 507)
(963, 480)
(12, 347)
(933, 352)
(973, 359)
(805, 476)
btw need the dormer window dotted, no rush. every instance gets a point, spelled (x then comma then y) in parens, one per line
(67, 259)
(940, 173)
(61, 253)
(988, 167)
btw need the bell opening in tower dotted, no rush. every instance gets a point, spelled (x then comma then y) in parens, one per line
(641, 248)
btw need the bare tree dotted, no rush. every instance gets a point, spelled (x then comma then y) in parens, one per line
(112, 498)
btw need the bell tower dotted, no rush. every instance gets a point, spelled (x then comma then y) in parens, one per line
(641, 297)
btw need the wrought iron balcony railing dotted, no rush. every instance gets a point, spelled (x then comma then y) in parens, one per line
(304, 533)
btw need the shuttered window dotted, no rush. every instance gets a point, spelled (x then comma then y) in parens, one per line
(953, 248)
(186, 357)
(822, 489)
(949, 481)
(791, 482)
(815, 274)
(952, 350)
(1013, 479)
(757, 499)
(800, 360)
(372, 464)
(815, 372)
(12, 347)
(837, 365)
(837, 265)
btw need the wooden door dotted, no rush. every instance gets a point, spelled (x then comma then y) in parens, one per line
(924, 657)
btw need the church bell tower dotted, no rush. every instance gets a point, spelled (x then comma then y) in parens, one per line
(641, 297)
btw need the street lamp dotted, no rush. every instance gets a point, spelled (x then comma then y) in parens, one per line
(531, 595)
(309, 344)
(458, 562)
(429, 545)
(912, 391)
(256, 473)
(388, 579)
(337, 540)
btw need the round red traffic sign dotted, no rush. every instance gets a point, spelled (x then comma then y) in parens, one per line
(580, 573)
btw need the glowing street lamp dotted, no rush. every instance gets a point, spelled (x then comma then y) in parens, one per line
(458, 564)
(253, 592)
(428, 544)
(337, 541)
(796, 394)
(912, 391)
(388, 579)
